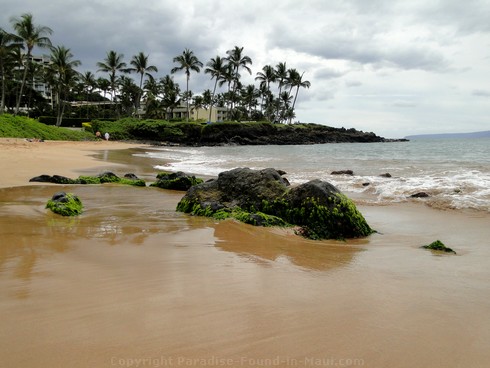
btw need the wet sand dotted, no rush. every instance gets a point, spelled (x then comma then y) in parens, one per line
(132, 283)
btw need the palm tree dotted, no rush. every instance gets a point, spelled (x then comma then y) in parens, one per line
(89, 83)
(207, 99)
(104, 85)
(228, 78)
(140, 66)
(238, 60)
(32, 36)
(249, 97)
(198, 103)
(112, 64)
(171, 93)
(281, 77)
(285, 101)
(266, 77)
(152, 89)
(8, 43)
(297, 81)
(129, 93)
(62, 76)
(187, 61)
(215, 67)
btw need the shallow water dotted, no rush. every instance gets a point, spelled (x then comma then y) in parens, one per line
(132, 283)
(455, 172)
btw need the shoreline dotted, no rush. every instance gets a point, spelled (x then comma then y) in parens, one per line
(23, 160)
(132, 278)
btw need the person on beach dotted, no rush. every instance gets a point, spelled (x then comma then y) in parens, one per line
(97, 135)
(106, 136)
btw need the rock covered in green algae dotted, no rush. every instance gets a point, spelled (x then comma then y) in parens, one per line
(176, 181)
(438, 246)
(263, 197)
(105, 177)
(65, 204)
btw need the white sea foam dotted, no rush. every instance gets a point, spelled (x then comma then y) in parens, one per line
(455, 174)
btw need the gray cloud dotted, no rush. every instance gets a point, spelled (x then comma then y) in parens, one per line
(383, 48)
(481, 93)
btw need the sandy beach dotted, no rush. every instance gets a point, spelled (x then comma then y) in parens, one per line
(132, 283)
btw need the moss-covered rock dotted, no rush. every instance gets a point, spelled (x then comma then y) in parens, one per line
(176, 181)
(322, 211)
(438, 246)
(263, 197)
(65, 204)
(105, 177)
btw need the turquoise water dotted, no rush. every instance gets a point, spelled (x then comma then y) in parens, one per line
(454, 172)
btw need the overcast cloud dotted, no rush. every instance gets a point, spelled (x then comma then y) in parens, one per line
(395, 67)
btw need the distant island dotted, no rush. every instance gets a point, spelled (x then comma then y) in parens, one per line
(484, 134)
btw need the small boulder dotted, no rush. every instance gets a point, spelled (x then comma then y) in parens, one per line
(65, 204)
(131, 176)
(420, 195)
(176, 181)
(438, 246)
(342, 172)
(386, 175)
(56, 179)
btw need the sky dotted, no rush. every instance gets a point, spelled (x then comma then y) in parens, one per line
(392, 67)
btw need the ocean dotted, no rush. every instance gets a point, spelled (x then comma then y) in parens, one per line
(455, 173)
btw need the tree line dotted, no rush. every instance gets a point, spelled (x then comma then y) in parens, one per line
(274, 98)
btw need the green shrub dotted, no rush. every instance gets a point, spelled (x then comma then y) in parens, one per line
(24, 127)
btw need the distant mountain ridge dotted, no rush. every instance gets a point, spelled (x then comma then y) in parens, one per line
(483, 134)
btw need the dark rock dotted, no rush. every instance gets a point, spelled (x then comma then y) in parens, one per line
(317, 206)
(420, 195)
(41, 179)
(366, 184)
(131, 176)
(108, 177)
(342, 172)
(281, 172)
(56, 179)
(176, 181)
(386, 175)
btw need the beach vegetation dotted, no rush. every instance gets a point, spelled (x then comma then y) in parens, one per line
(23, 127)
(118, 94)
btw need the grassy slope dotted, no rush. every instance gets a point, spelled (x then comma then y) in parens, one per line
(22, 127)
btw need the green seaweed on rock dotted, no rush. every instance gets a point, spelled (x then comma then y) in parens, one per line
(70, 206)
(438, 246)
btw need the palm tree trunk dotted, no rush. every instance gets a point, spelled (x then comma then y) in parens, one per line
(279, 97)
(2, 103)
(212, 99)
(139, 97)
(294, 102)
(24, 77)
(187, 99)
(58, 109)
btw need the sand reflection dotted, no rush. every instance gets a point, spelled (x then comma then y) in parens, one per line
(266, 245)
